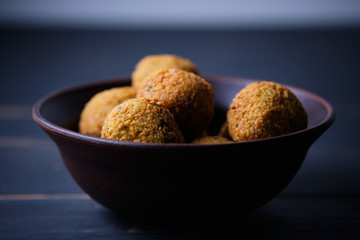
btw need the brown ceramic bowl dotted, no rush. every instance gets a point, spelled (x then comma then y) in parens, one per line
(142, 180)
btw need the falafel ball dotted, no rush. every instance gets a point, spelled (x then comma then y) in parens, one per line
(152, 63)
(211, 140)
(95, 110)
(141, 120)
(265, 109)
(224, 131)
(189, 98)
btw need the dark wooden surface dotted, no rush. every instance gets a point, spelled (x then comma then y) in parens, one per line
(38, 198)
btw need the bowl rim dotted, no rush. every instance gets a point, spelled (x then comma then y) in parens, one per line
(79, 137)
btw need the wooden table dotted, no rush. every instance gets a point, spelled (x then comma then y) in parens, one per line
(39, 199)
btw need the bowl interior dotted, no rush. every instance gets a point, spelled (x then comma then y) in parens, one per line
(70, 102)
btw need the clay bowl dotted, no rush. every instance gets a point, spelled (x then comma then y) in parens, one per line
(141, 180)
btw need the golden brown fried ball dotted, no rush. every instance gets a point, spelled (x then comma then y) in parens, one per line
(224, 131)
(152, 63)
(211, 140)
(95, 111)
(265, 109)
(188, 97)
(141, 120)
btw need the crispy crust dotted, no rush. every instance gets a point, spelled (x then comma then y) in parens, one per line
(188, 97)
(264, 109)
(95, 111)
(152, 63)
(224, 131)
(141, 120)
(211, 140)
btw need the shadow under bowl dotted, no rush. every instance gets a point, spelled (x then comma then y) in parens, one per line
(145, 181)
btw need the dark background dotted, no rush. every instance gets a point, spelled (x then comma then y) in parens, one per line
(37, 195)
